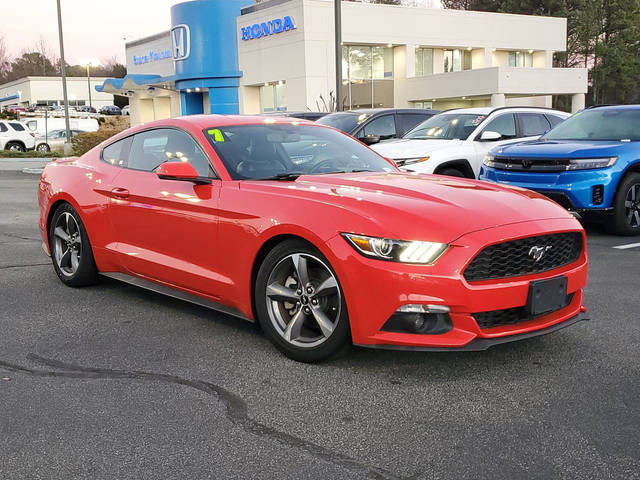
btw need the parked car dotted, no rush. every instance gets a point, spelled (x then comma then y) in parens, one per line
(15, 108)
(125, 110)
(54, 140)
(110, 110)
(455, 142)
(15, 136)
(40, 125)
(86, 109)
(589, 164)
(304, 229)
(375, 124)
(313, 116)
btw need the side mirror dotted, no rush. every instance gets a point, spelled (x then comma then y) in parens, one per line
(490, 136)
(370, 139)
(180, 171)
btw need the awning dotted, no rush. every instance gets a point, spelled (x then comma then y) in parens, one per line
(129, 82)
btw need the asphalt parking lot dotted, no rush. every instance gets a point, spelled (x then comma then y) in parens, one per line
(113, 381)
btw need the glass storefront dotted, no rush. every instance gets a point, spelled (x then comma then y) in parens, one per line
(456, 60)
(424, 61)
(367, 73)
(273, 97)
(520, 59)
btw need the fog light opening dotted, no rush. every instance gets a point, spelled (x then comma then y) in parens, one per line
(420, 319)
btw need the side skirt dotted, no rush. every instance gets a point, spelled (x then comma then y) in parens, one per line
(175, 293)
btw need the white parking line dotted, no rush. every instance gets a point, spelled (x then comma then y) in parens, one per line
(628, 245)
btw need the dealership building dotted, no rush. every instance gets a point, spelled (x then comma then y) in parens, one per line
(48, 91)
(235, 56)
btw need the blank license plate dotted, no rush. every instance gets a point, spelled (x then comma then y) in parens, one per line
(547, 295)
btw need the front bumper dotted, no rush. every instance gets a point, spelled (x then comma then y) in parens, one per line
(374, 290)
(572, 189)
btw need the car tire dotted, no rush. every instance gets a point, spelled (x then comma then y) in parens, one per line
(452, 172)
(14, 147)
(71, 251)
(299, 303)
(43, 148)
(626, 206)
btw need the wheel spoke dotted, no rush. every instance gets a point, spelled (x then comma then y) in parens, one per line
(301, 267)
(628, 203)
(327, 287)
(59, 232)
(637, 215)
(294, 326)
(633, 192)
(629, 216)
(65, 258)
(75, 260)
(323, 322)
(279, 292)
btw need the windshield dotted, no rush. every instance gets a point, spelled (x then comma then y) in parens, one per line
(447, 126)
(345, 121)
(267, 151)
(599, 124)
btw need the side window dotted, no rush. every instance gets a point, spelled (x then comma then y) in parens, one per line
(115, 153)
(17, 126)
(409, 120)
(3, 127)
(32, 124)
(505, 125)
(533, 124)
(554, 120)
(383, 127)
(152, 148)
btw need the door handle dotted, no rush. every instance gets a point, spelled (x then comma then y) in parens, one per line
(120, 192)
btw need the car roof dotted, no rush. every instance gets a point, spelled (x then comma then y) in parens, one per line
(374, 111)
(614, 107)
(490, 110)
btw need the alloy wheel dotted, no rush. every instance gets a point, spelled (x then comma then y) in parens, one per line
(303, 300)
(14, 147)
(67, 244)
(632, 206)
(43, 147)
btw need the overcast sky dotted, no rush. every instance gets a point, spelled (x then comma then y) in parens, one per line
(93, 29)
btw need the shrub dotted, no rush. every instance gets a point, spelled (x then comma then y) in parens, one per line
(83, 142)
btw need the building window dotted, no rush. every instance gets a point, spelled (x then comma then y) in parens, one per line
(427, 105)
(424, 62)
(521, 59)
(456, 60)
(367, 76)
(273, 97)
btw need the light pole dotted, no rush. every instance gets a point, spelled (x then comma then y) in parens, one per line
(63, 71)
(338, 41)
(89, 64)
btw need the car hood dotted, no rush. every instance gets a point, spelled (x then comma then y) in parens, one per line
(410, 148)
(413, 206)
(563, 148)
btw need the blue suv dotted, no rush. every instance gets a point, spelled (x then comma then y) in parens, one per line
(590, 163)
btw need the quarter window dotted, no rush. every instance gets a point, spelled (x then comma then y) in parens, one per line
(3, 127)
(505, 125)
(114, 153)
(152, 148)
(533, 124)
(554, 120)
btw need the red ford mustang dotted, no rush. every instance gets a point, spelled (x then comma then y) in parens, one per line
(315, 236)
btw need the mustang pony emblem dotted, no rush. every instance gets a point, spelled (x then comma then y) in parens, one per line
(538, 252)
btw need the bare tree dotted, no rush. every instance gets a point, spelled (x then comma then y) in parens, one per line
(5, 61)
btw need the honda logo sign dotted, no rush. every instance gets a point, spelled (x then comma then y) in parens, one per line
(180, 42)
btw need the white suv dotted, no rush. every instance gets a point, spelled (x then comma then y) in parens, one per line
(455, 142)
(15, 136)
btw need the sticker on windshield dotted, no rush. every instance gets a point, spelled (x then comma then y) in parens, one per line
(217, 135)
(476, 121)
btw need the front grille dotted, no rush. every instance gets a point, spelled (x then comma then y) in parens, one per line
(530, 164)
(517, 257)
(508, 316)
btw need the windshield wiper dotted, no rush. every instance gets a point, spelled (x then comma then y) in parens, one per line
(284, 176)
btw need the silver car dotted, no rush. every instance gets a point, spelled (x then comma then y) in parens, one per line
(54, 140)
